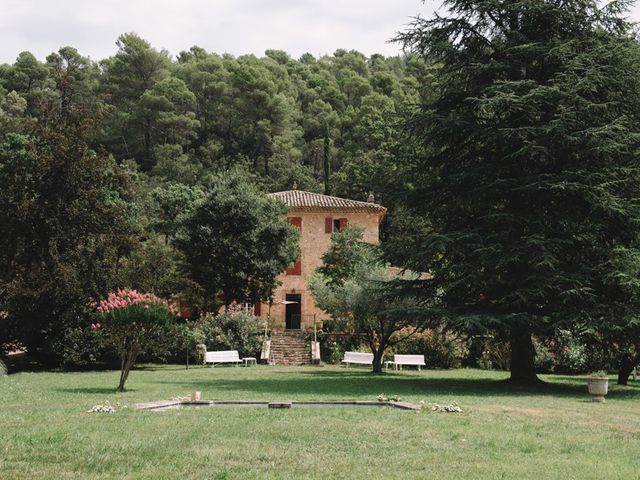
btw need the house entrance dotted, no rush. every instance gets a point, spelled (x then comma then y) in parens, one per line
(293, 309)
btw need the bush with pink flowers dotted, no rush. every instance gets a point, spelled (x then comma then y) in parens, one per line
(133, 322)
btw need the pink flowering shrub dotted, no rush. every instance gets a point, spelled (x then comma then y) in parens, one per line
(123, 300)
(133, 322)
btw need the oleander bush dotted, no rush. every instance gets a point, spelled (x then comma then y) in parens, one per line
(567, 352)
(132, 323)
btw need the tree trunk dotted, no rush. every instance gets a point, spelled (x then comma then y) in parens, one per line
(377, 359)
(523, 371)
(627, 364)
(378, 353)
(127, 360)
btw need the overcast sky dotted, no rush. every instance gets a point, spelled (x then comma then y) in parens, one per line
(231, 26)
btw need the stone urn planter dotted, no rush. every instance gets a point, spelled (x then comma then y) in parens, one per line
(598, 387)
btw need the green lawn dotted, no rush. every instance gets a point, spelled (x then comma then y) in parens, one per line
(551, 432)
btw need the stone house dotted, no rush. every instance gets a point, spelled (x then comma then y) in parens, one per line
(318, 217)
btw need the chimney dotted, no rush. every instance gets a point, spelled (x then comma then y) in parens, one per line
(295, 185)
(371, 198)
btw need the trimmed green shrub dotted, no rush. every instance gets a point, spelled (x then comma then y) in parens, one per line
(334, 344)
(82, 346)
(232, 330)
(567, 352)
(441, 348)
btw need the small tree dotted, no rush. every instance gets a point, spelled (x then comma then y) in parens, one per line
(356, 287)
(236, 242)
(347, 254)
(173, 201)
(132, 323)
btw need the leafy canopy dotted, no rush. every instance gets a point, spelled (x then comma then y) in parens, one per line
(236, 241)
(66, 216)
(526, 165)
(356, 287)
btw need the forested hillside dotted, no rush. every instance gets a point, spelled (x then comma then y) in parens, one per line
(182, 119)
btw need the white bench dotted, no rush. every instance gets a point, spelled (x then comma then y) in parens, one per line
(224, 356)
(400, 360)
(358, 357)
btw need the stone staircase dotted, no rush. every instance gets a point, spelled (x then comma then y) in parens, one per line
(289, 348)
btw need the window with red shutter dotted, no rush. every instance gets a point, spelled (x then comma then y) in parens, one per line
(257, 308)
(332, 225)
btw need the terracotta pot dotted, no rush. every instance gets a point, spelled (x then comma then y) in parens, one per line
(598, 388)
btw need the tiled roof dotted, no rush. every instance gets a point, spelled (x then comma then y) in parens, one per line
(300, 200)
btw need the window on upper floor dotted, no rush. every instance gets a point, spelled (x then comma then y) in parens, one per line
(332, 225)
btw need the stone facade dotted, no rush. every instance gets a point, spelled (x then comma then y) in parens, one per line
(315, 215)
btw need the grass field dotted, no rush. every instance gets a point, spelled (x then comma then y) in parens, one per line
(548, 432)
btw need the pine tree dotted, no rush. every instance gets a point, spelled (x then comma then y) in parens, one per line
(528, 174)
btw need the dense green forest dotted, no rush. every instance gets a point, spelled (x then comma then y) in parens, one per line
(184, 119)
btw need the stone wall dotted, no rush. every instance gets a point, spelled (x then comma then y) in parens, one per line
(313, 243)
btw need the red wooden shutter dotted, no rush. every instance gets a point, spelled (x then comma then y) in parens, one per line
(328, 225)
(295, 221)
(343, 223)
(257, 308)
(296, 269)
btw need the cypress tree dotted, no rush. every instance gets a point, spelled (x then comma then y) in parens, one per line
(327, 160)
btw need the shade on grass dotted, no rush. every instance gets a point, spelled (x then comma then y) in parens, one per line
(548, 432)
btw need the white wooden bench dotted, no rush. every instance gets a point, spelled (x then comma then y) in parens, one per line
(400, 360)
(224, 356)
(357, 357)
